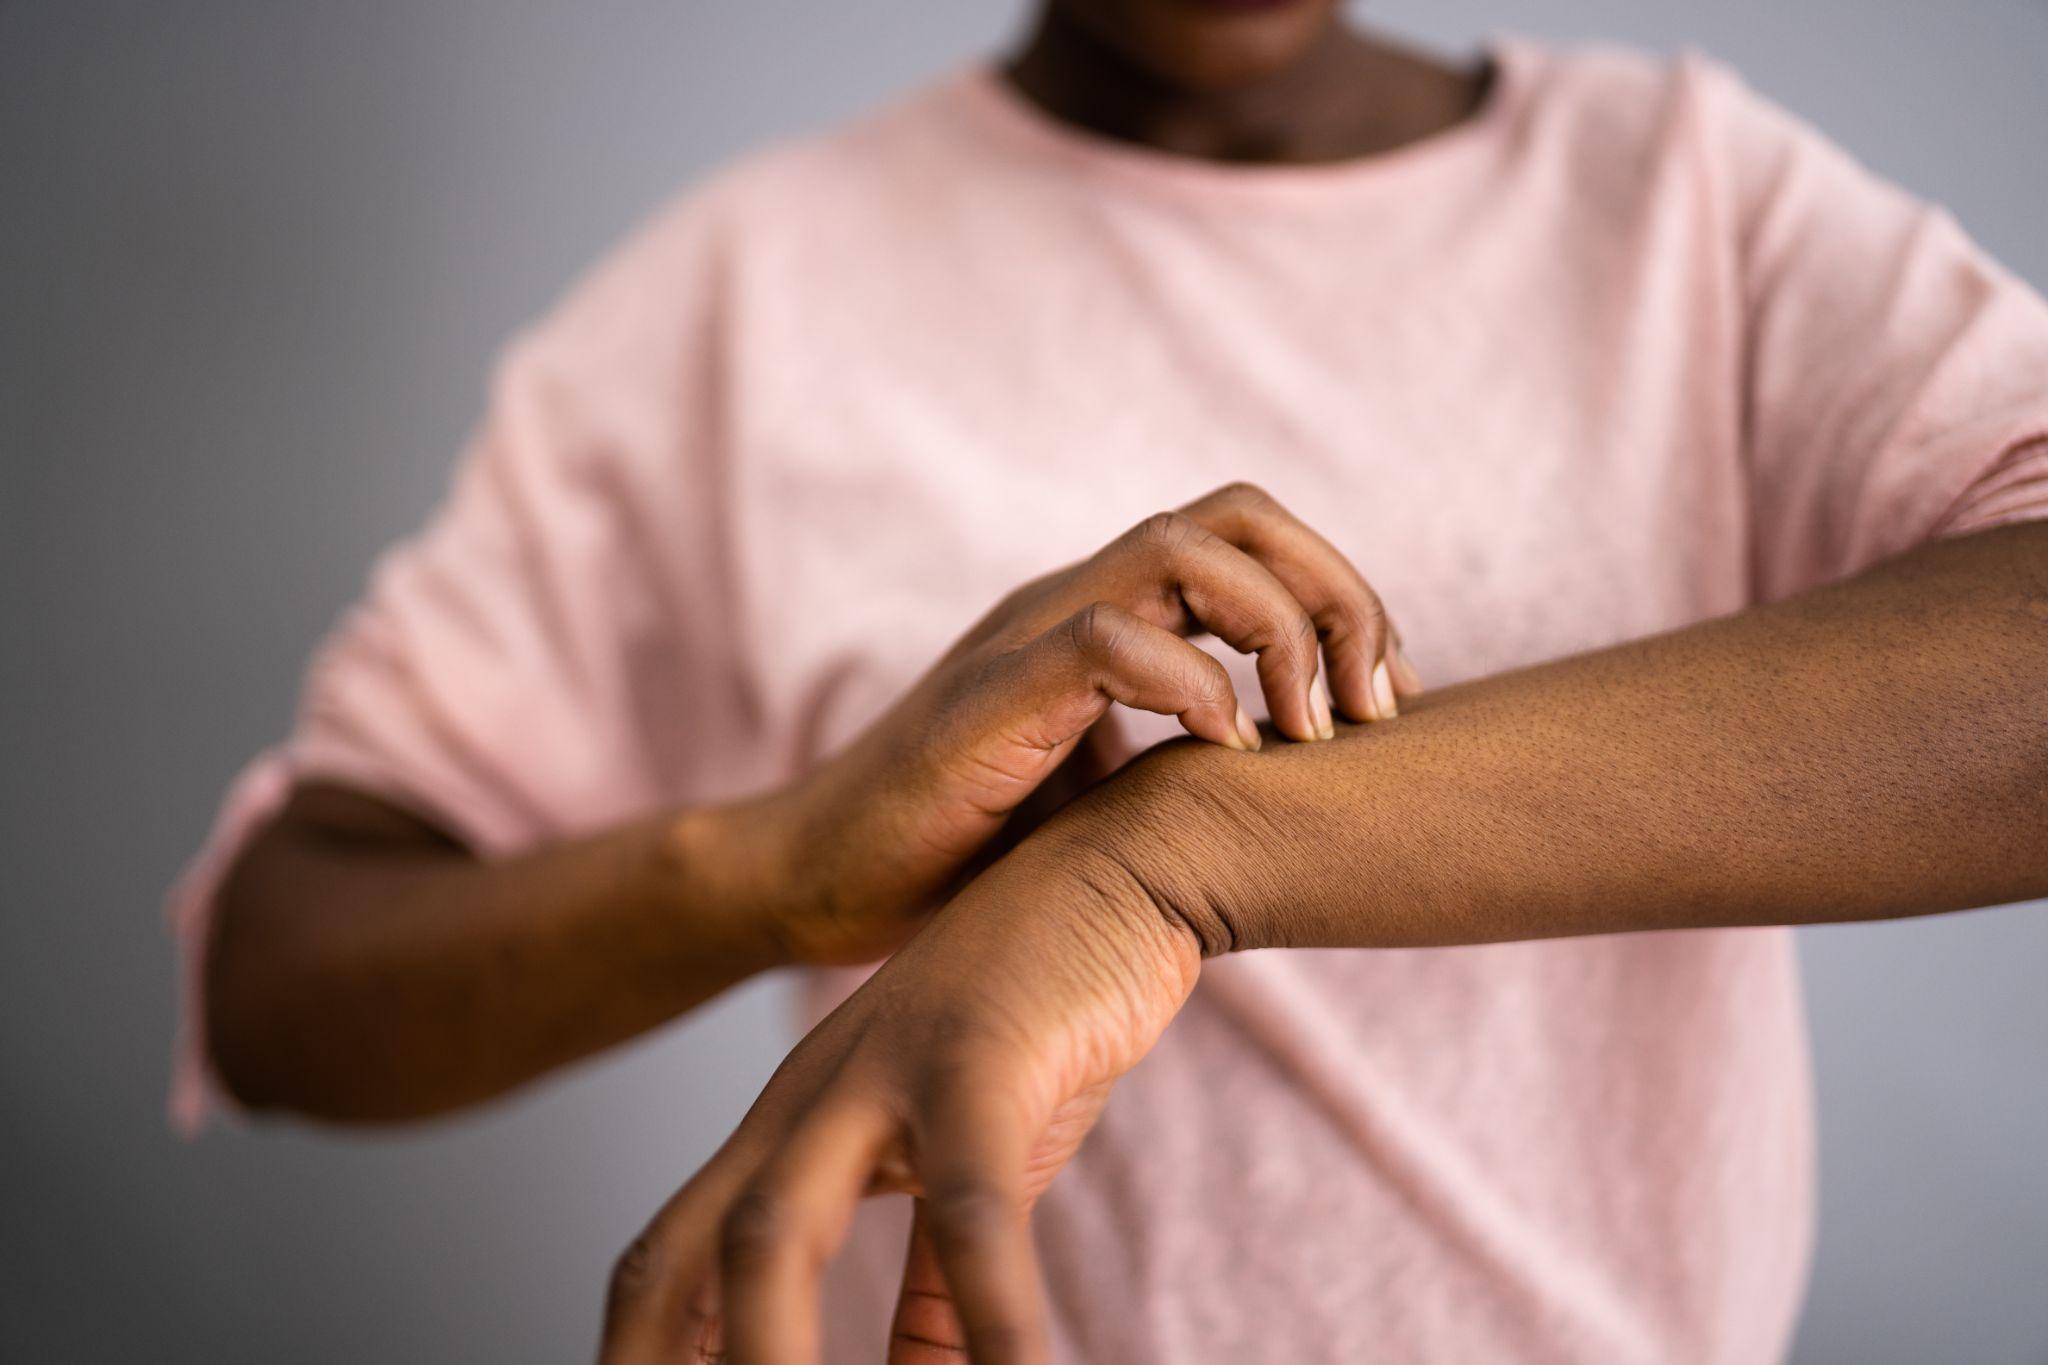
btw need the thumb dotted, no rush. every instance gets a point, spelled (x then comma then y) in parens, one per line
(926, 1329)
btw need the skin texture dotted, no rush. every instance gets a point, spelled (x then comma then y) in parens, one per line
(366, 968)
(1870, 750)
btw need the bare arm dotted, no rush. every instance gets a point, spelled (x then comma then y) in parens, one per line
(367, 967)
(1875, 749)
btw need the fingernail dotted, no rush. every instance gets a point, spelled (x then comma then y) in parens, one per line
(1247, 731)
(1383, 691)
(1319, 707)
(1411, 680)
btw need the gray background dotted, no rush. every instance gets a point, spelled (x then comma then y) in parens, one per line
(254, 260)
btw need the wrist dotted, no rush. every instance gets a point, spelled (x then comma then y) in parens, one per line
(1179, 835)
(728, 871)
(793, 868)
(1069, 898)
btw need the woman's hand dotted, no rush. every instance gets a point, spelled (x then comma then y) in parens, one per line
(966, 1071)
(878, 834)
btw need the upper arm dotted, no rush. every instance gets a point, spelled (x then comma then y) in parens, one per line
(527, 667)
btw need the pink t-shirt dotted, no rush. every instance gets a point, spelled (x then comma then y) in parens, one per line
(1629, 349)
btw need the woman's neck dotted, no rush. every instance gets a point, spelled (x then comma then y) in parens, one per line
(1346, 96)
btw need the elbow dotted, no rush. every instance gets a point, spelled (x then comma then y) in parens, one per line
(273, 1042)
(249, 1008)
(274, 994)
(292, 1028)
(297, 1017)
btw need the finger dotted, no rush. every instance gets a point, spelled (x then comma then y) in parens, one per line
(662, 1300)
(1173, 571)
(661, 1304)
(1358, 641)
(1100, 751)
(1350, 619)
(925, 1330)
(973, 1149)
(1407, 681)
(785, 1225)
(1102, 654)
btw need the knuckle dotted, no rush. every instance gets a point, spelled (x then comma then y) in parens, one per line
(635, 1268)
(1165, 533)
(1367, 617)
(963, 1043)
(1244, 496)
(1298, 639)
(1346, 625)
(1211, 682)
(1099, 630)
(752, 1229)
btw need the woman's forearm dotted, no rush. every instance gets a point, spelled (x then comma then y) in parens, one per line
(1874, 749)
(364, 969)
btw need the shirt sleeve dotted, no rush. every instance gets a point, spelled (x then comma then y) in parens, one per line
(1896, 376)
(527, 667)
(490, 679)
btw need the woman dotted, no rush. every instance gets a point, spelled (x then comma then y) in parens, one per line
(1579, 358)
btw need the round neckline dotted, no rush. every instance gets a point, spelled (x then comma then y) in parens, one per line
(1009, 111)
